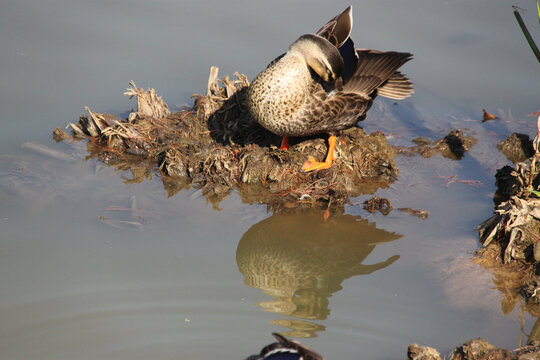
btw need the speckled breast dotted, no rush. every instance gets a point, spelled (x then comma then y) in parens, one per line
(278, 93)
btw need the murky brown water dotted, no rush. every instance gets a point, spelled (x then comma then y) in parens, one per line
(190, 282)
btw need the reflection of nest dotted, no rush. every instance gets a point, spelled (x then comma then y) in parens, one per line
(217, 146)
(301, 260)
(515, 281)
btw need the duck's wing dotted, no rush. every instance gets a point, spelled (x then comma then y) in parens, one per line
(379, 71)
(327, 113)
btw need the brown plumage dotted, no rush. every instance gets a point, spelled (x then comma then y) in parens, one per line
(324, 85)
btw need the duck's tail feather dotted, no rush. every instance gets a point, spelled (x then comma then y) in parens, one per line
(398, 87)
(376, 70)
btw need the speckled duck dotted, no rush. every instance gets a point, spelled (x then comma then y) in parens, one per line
(322, 84)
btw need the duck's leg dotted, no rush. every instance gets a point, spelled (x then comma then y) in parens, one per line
(284, 143)
(312, 164)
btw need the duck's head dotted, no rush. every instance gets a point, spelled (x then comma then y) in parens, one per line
(320, 55)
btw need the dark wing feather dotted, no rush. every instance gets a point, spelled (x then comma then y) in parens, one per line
(338, 29)
(350, 59)
(398, 87)
(374, 69)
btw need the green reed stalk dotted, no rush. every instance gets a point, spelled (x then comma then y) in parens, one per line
(528, 36)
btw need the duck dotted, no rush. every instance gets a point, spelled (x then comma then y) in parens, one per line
(324, 85)
(285, 349)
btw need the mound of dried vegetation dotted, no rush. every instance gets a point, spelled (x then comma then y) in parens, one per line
(216, 146)
(510, 237)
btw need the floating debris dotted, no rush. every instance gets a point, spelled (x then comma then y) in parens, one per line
(452, 179)
(136, 221)
(121, 224)
(487, 116)
(47, 151)
(422, 214)
(382, 205)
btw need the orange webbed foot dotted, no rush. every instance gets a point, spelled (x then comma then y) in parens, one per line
(311, 164)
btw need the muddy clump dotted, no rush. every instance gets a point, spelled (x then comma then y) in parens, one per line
(476, 349)
(452, 146)
(510, 237)
(216, 146)
(517, 147)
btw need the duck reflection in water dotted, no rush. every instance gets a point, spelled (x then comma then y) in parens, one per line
(300, 261)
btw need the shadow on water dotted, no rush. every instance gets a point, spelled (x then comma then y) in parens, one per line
(301, 260)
